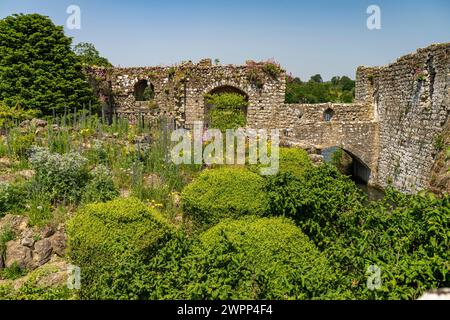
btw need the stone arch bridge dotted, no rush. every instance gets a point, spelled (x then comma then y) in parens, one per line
(389, 131)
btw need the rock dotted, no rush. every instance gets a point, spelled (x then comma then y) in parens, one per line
(42, 252)
(56, 274)
(27, 242)
(18, 224)
(18, 254)
(58, 242)
(47, 231)
(24, 124)
(316, 158)
(38, 123)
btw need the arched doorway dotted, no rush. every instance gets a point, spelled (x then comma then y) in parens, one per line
(229, 99)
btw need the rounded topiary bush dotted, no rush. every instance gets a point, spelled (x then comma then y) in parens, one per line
(114, 243)
(294, 160)
(256, 258)
(226, 192)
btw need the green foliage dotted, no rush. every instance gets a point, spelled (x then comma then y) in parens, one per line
(337, 157)
(315, 200)
(32, 289)
(226, 110)
(20, 143)
(227, 119)
(405, 235)
(294, 160)
(39, 204)
(251, 258)
(101, 187)
(13, 115)
(90, 56)
(6, 235)
(12, 273)
(113, 243)
(62, 177)
(227, 101)
(226, 192)
(11, 196)
(339, 89)
(38, 69)
(272, 69)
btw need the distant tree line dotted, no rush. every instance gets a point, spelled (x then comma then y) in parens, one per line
(339, 89)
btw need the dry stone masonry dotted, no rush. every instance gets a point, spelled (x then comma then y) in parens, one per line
(394, 130)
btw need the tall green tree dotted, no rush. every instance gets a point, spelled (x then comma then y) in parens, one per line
(89, 55)
(38, 69)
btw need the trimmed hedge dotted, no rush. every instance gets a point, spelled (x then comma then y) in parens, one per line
(295, 161)
(113, 244)
(226, 192)
(256, 258)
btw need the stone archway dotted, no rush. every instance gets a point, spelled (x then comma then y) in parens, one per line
(220, 90)
(351, 164)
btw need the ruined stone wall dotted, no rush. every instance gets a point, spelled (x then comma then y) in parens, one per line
(350, 127)
(179, 91)
(394, 126)
(410, 98)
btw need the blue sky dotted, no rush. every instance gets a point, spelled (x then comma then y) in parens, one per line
(306, 37)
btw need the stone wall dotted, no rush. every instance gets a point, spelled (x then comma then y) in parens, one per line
(179, 91)
(394, 126)
(410, 99)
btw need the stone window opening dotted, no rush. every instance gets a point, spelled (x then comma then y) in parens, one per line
(144, 91)
(328, 115)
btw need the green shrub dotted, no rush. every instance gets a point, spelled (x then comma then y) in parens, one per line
(11, 196)
(101, 187)
(6, 235)
(294, 160)
(318, 201)
(38, 69)
(9, 116)
(257, 258)
(406, 236)
(226, 110)
(6, 292)
(227, 192)
(113, 244)
(33, 289)
(63, 177)
(12, 273)
(227, 119)
(20, 143)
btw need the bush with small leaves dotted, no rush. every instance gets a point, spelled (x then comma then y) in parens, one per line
(101, 187)
(114, 243)
(257, 258)
(62, 177)
(226, 192)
